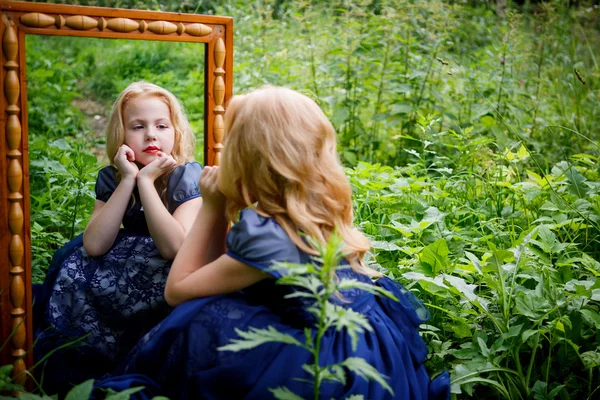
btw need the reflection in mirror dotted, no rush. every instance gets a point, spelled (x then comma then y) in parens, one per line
(71, 85)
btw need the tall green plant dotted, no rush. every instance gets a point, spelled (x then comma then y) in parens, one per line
(317, 281)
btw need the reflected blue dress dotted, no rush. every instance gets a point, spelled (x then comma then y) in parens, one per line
(180, 355)
(112, 300)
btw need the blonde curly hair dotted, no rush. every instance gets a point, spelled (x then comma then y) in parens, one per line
(280, 158)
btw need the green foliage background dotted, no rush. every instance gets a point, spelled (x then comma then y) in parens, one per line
(470, 141)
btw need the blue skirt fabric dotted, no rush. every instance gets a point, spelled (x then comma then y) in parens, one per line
(101, 305)
(180, 355)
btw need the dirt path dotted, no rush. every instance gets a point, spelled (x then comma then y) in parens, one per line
(96, 115)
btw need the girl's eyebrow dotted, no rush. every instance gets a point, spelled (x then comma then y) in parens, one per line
(141, 121)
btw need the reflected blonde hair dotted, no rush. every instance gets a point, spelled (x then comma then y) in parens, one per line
(183, 147)
(280, 152)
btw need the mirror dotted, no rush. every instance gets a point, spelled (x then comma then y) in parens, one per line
(19, 20)
(70, 96)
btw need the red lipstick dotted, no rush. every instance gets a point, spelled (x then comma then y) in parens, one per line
(151, 150)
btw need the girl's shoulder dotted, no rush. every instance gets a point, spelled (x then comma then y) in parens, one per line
(106, 182)
(256, 239)
(183, 184)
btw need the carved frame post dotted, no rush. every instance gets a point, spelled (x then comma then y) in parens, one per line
(18, 19)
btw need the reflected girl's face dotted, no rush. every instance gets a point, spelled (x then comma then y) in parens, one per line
(148, 128)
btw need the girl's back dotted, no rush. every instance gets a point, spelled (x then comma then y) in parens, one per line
(181, 354)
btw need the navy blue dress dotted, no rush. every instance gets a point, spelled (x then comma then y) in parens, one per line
(180, 355)
(111, 300)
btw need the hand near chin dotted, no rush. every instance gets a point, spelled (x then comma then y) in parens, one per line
(209, 187)
(125, 162)
(161, 165)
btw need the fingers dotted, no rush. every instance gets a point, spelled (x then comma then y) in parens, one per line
(162, 164)
(129, 154)
(209, 174)
(209, 178)
(165, 161)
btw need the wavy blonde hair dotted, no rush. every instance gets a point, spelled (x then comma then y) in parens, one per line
(184, 141)
(183, 147)
(280, 152)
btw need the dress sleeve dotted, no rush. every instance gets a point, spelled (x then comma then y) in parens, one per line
(106, 183)
(183, 185)
(259, 242)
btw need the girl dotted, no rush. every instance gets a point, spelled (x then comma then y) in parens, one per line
(280, 169)
(108, 285)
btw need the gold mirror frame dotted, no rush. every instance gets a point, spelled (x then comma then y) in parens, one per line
(19, 19)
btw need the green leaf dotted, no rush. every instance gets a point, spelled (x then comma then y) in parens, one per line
(81, 391)
(354, 322)
(433, 215)
(531, 305)
(125, 394)
(590, 359)
(591, 316)
(255, 337)
(436, 255)
(334, 373)
(496, 261)
(467, 290)
(310, 282)
(483, 347)
(283, 393)
(29, 396)
(366, 371)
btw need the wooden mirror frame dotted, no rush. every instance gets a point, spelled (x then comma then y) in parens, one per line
(19, 19)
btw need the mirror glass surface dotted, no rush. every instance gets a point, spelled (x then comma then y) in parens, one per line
(71, 85)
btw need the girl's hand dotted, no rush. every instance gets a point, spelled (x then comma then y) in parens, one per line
(161, 165)
(124, 161)
(209, 188)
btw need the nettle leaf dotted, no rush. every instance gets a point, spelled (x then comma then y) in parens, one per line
(425, 281)
(283, 393)
(590, 359)
(125, 394)
(255, 337)
(540, 389)
(531, 305)
(28, 396)
(577, 182)
(385, 246)
(474, 260)
(496, 260)
(580, 287)
(527, 334)
(81, 391)
(466, 289)
(436, 255)
(433, 215)
(483, 347)
(591, 316)
(548, 242)
(366, 371)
